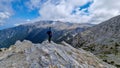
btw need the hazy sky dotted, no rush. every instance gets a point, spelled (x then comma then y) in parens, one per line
(15, 12)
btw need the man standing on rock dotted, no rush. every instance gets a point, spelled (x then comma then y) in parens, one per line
(49, 32)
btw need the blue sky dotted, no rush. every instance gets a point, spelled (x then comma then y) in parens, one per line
(22, 11)
(21, 14)
(15, 12)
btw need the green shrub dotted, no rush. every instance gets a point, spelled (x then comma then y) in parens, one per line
(0, 50)
(105, 60)
(118, 66)
(112, 62)
(111, 47)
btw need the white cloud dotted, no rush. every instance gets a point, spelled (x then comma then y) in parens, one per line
(4, 15)
(22, 22)
(5, 10)
(32, 4)
(62, 11)
(100, 10)
(5, 5)
(28, 20)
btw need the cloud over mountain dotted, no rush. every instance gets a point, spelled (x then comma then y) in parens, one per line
(80, 11)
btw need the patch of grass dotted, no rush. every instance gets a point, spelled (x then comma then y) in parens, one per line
(21, 52)
(106, 46)
(70, 53)
(107, 52)
(112, 62)
(105, 60)
(118, 66)
(0, 50)
(111, 47)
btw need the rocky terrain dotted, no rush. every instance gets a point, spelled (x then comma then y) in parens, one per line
(36, 32)
(48, 55)
(103, 40)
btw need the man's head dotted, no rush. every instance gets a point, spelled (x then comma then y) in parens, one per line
(49, 28)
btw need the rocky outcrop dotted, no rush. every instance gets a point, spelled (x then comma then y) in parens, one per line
(48, 55)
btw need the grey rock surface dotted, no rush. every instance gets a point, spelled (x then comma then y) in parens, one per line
(48, 55)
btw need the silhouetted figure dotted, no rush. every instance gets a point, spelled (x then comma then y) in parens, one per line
(49, 32)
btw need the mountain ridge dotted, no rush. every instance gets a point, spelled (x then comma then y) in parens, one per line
(36, 32)
(102, 40)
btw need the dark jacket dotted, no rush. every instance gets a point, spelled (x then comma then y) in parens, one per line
(49, 33)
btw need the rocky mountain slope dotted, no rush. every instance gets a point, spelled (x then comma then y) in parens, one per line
(103, 40)
(36, 32)
(48, 55)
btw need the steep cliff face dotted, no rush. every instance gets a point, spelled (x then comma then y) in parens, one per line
(48, 55)
(103, 40)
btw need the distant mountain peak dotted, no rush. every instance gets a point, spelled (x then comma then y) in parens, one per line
(36, 32)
